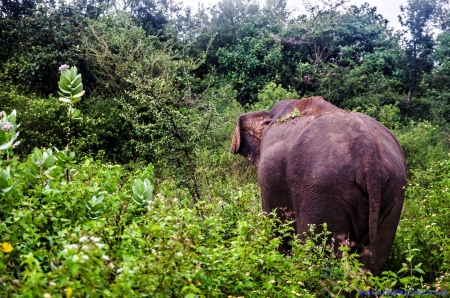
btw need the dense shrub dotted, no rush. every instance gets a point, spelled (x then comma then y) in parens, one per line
(424, 226)
(90, 237)
(44, 124)
(422, 144)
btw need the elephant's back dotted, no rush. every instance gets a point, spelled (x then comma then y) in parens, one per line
(334, 144)
(328, 147)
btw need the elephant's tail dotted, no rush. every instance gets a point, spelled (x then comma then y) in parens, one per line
(375, 194)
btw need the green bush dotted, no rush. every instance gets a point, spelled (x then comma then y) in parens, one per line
(67, 239)
(425, 221)
(422, 144)
(44, 124)
(270, 95)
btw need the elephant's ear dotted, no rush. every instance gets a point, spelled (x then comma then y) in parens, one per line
(236, 142)
(248, 134)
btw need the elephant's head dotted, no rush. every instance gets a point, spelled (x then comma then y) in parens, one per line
(250, 128)
(248, 133)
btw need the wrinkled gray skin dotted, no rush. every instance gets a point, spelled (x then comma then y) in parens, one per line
(331, 166)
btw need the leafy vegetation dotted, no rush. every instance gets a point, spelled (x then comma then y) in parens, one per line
(133, 192)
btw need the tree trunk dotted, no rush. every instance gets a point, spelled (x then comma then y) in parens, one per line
(410, 94)
(408, 102)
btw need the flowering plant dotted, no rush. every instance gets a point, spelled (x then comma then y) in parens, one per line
(8, 131)
(71, 93)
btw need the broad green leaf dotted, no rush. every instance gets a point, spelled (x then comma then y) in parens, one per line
(77, 80)
(74, 267)
(64, 99)
(37, 155)
(3, 136)
(12, 117)
(402, 270)
(49, 161)
(73, 72)
(61, 155)
(65, 72)
(32, 178)
(13, 185)
(81, 93)
(76, 113)
(54, 172)
(64, 81)
(3, 183)
(9, 144)
(405, 280)
(63, 90)
(77, 89)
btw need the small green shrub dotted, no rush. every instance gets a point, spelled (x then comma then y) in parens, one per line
(270, 95)
(422, 144)
(425, 220)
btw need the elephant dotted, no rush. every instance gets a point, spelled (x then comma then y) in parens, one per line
(319, 164)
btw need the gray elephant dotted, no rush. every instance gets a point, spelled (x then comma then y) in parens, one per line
(321, 164)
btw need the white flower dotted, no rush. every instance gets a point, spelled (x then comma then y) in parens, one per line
(111, 265)
(119, 270)
(106, 258)
(73, 246)
(272, 281)
(85, 247)
(52, 284)
(85, 257)
(47, 295)
(179, 254)
(75, 258)
(84, 239)
(175, 199)
(95, 239)
(99, 245)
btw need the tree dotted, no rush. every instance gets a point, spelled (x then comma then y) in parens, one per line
(418, 43)
(36, 44)
(341, 52)
(16, 9)
(153, 83)
(250, 65)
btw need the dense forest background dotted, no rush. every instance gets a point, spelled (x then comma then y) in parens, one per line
(164, 85)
